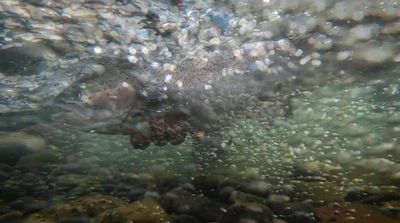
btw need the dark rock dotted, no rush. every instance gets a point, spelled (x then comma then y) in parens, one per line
(76, 220)
(6, 168)
(38, 160)
(355, 195)
(391, 212)
(183, 218)
(266, 95)
(4, 210)
(158, 131)
(247, 212)
(25, 60)
(11, 154)
(179, 201)
(297, 212)
(16, 145)
(188, 187)
(9, 193)
(171, 200)
(135, 193)
(207, 184)
(29, 205)
(225, 193)
(139, 141)
(207, 210)
(168, 183)
(3, 175)
(12, 217)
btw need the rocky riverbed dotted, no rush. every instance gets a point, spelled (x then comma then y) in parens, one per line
(199, 111)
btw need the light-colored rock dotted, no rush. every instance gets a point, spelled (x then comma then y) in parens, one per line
(378, 165)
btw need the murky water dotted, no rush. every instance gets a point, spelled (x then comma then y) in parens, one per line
(199, 111)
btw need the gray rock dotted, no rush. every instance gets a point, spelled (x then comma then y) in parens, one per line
(259, 188)
(152, 194)
(247, 212)
(278, 198)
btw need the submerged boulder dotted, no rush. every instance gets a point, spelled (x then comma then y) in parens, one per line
(101, 208)
(13, 146)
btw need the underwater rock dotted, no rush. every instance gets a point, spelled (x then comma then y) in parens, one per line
(309, 171)
(208, 210)
(380, 165)
(152, 195)
(374, 53)
(139, 141)
(28, 141)
(146, 210)
(28, 59)
(78, 184)
(29, 205)
(172, 200)
(5, 172)
(59, 213)
(158, 131)
(134, 193)
(242, 197)
(120, 96)
(247, 212)
(95, 205)
(39, 159)
(144, 179)
(183, 218)
(208, 185)
(343, 213)
(12, 217)
(168, 182)
(280, 198)
(81, 210)
(355, 195)
(366, 197)
(225, 193)
(16, 145)
(301, 212)
(9, 193)
(391, 28)
(179, 201)
(259, 188)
